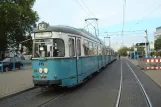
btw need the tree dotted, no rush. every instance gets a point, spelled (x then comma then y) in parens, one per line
(16, 19)
(123, 51)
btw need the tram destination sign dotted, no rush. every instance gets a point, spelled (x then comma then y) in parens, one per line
(43, 35)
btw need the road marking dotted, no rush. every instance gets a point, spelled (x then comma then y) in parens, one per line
(119, 93)
(148, 100)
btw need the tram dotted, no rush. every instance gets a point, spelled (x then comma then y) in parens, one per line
(66, 56)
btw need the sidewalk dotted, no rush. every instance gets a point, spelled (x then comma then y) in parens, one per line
(15, 81)
(155, 75)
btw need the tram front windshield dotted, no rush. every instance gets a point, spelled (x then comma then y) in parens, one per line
(49, 48)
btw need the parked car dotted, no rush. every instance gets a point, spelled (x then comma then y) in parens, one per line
(8, 63)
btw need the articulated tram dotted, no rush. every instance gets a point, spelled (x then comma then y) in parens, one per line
(65, 56)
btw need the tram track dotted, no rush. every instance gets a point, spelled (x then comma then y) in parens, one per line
(25, 96)
(40, 99)
(121, 88)
(145, 93)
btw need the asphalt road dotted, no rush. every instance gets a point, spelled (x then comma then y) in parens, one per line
(102, 90)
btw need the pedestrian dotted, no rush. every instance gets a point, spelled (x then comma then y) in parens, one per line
(119, 56)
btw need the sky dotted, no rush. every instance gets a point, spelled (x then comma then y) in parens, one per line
(139, 16)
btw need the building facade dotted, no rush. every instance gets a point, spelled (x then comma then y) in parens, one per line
(157, 34)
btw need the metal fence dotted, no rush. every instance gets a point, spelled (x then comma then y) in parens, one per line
(149, 63)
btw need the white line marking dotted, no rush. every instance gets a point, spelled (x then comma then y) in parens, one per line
(119, 93)
(150, 105)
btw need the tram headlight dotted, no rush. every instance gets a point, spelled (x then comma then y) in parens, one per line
(40, 70)
(45, 70)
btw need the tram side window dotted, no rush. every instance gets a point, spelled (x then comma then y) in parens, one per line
(99, 50)
(102, 50)
(79, 47)
(91, 48)
(71, 47)
(95, 49)
(58, 48)
(86, 48)
(108, 52)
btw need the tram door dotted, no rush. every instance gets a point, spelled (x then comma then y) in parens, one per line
(77, 54)
(78, 59)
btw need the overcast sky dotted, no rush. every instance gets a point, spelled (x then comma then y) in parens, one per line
(109, 13)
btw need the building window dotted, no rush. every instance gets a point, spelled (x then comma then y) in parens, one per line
(71, 47)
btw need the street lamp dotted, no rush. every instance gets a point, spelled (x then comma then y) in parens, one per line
(109, 40)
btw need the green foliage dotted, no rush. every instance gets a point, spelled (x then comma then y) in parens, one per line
(123, 51)
(157, 44)
(16, 19)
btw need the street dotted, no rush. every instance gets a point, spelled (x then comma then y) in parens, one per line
(102, 90)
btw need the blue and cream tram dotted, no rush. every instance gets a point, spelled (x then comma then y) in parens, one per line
(65, 56)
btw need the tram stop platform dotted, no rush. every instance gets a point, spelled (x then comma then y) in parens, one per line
(155, 75)
(12, 82)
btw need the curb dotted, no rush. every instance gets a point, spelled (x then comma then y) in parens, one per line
(16, 93)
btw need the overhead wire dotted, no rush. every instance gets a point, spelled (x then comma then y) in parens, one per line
(89, 11)
(127, 31)
(82, 8)
(116, 34)
(87, 8)
(149, 14)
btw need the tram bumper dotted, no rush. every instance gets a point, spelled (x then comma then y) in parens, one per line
(46, 82)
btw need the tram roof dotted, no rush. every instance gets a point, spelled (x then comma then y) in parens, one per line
(68, 29)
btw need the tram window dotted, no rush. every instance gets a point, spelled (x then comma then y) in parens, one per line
(99, 50)
(79, 47)
(58, 48)
(102, 50)
(91, 48)
(107, 51)
(86, 48)
(95, 49)
(49, 48)
(71, 47)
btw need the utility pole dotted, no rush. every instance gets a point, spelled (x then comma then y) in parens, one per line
(146, 41)
(134, 50)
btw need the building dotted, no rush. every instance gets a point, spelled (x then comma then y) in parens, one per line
(157, 34)
(152, 46)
